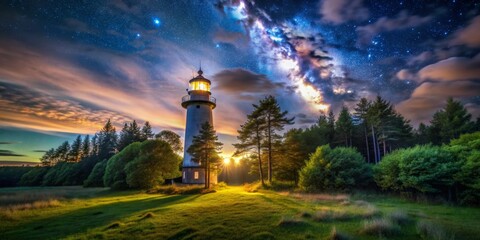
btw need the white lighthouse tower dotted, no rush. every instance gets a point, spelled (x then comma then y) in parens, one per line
(199, 104)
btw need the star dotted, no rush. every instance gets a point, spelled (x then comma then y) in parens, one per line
(156, 21)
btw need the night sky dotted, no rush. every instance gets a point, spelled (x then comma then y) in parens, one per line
(68, 66)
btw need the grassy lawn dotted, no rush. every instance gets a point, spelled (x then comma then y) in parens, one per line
(230, 213)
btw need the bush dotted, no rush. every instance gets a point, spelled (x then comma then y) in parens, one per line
(95, 179)
(428, 230)
(467, 150)
(155, 163)
(34, 177)
(335, 169)
(380, 227)
(115, 176)
(424, 169)
(10, 176)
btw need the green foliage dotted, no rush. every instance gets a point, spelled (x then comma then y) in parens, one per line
(205, 149)
(10, 176)
(450, 122)
(171, 138)
(34, 177)
(62, 174)
(425, 169)
(467, 150)
(95, 179)
(344, 127)
(334, 169)
(115, 176)
(155, 163)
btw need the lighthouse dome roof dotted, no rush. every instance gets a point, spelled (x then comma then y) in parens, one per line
(200, 77)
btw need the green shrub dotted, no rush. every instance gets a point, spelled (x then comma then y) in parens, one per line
(115, 176)
(424, 169)
(335, 169)
(34, 177)
(95, 179)
(155, 163)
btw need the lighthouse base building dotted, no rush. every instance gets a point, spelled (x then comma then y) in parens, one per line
(199, 104)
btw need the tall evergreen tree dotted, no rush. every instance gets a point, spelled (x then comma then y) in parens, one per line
(76, 150)
(275, 120)
(450, 122)
(331, 127)
(205, 149)
(251, 136)
(62, 152)
(344, 126)
(48, 158)
(361, 111)
(107, 141)
(147, 132)
(86, 146)
(95, 145)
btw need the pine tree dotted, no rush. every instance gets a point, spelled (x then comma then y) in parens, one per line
(107, 141)
(76, 150)
(331, 127)
(125, 138)
(251, 136)
(275, 120)
(62, 152)
(450, 122)
(344, 126)
(48, 158)
(86, 146)
(95, 145)
(361, 111)
(205, 149)
(147, 132)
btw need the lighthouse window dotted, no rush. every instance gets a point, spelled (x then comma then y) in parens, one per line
(195, 175)
(184, 173)
(200, 85)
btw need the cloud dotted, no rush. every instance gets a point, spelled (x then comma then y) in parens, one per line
(420, 58)
(429, 97)
(5, 143)
(240, 81)
(237, 39)
(469, 36)
(341, 11)
(456, 77)
(8, 153)
(384, 24)
(40, 151)
(405, 74)
(454, 68)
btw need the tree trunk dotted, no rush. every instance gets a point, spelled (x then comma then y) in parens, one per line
(269, 151)
(205, 171)
(260, 169)
(366, 143)
(374, 145)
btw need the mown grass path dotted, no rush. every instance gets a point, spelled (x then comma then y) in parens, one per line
(230, 213)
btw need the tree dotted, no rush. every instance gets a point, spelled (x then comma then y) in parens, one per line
(115, 175)
(251, 136)
(344, 126)
(146, 132)
(335, 169)
(450, 122)
(107, 141)
(62, 152)
(275, 120)
(86, 146)
(205, 149)
(171, 138)
(361, 111)
(48, 158)
(95, 179)
(76, 150)
(155, 162)
(291, 156)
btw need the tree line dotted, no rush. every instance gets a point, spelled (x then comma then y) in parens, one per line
(85, 160)
(373, 128)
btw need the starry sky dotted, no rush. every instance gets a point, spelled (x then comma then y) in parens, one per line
(68, 66)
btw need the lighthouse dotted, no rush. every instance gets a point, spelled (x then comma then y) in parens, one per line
(199, 104)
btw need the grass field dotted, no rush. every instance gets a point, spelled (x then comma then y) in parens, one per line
(230, 213)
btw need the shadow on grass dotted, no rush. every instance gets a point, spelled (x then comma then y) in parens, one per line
(81, 220)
